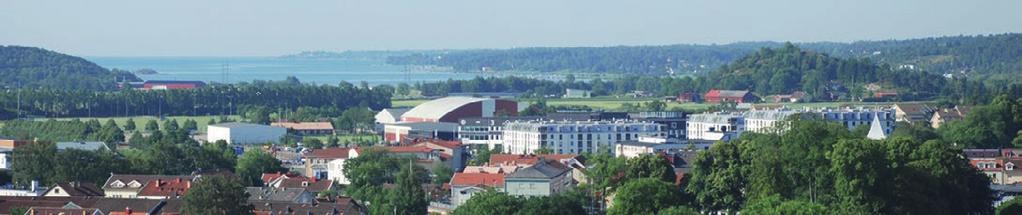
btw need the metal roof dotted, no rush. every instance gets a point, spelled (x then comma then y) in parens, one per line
(437, 108)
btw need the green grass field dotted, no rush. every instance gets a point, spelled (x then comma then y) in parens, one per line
(140, 121)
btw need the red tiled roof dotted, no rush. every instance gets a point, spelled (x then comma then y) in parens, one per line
(168, 188)
(299, 126)
(408, 149)
(334, 153)
(268, 177)
(473, 179)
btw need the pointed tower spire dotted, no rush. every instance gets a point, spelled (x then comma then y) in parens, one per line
(876, 131)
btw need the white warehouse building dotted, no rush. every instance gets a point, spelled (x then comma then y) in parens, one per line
(244, 133)
(573, 137)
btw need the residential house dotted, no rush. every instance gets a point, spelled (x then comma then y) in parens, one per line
(77, 189)
(290, 195)
(327, 164)
(307, 128)
(948, 114)
(465, 185)
(912, 112)
(687, 97)
(452, 153)
(165, 189)
(793, 97)
(77, 205)
(640, 94)
(723, 96)
(293, 180)
(545, 178)
(129, 185)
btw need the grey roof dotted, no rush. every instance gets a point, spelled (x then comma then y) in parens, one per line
(775, 114)
(239, 125)
(719, 118)
(396, 112)
(733, 93)
(494, 121)
(82, 145)
(275, 194)
(545, 169)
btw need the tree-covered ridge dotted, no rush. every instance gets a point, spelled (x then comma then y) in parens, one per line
(789, 68)
(39, 68)
(987, 56)
(617, 59)
(981, 54)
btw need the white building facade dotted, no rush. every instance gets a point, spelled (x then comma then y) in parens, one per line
(715, 126)
(764, 121)
(244, 133)
(572, 137)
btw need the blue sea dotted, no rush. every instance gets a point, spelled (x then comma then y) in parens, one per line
(246, 69)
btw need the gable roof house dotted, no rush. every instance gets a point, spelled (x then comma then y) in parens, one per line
(327, 163)
(129, 185)
(164, 189)
(912, 112)
(465, 185)
(69, 189)
(545, 178)
(948, 114)
(736, 96)
(291, 195)
(292, 180)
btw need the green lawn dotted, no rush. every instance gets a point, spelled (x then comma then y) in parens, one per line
(140, 121)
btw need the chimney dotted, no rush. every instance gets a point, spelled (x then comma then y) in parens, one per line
(158, 182)
(34, 186)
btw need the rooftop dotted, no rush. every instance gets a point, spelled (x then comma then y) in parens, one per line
(299, 126)
(329, 153)
(437, 108)
(545, 169)
(478, 179)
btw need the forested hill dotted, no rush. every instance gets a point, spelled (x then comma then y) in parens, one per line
(30, 67)
(982, 55)
(657, 60)
(997, 56)
(787, 69)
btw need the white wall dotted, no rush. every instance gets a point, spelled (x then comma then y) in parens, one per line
(254, 134)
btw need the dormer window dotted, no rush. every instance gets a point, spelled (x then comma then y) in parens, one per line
(117, 184)
(1009, 166)
(134, 184)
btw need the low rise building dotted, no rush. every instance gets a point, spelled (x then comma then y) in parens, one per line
(715, 126)
(545, 178)
(672, 123)
(913, 112)
(725, 96)
(576, 93)
(73, 189)
(244, 133)
(573, 137)
(402, 132)
(327, 164)
(288, 195)
(307, 128)
(636, 148)
(465, 185)
(129, 185)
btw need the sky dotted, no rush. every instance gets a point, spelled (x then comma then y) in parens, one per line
(279, 27)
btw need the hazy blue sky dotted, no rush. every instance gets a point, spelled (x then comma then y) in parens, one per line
(275, 27)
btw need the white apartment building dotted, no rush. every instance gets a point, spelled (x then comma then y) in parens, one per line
(763, 121)
(715, 126)
(573, 137)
